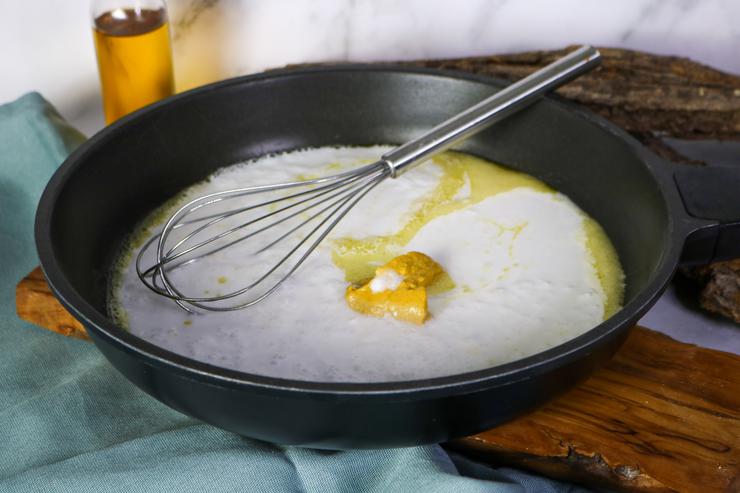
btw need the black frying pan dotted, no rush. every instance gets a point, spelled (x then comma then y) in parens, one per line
(105, 187)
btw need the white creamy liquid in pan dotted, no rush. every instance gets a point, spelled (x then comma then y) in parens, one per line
(531, 271)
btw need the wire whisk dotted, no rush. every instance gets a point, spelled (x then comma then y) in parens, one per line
(278, 226)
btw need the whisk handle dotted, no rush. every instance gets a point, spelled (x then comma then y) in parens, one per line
(491, 110)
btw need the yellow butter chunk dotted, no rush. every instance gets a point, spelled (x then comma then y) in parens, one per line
(399, 289)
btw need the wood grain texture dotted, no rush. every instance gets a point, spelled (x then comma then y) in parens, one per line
(660, 416)
(35, 303)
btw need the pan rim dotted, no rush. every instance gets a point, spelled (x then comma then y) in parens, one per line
(101, 327)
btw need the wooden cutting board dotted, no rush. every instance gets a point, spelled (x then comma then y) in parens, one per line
(660, 416)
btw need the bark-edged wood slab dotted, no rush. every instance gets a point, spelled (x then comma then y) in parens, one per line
(720, 291)
(660, 416)
(640, 92)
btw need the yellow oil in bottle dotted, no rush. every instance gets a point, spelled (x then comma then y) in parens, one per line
(134, 59)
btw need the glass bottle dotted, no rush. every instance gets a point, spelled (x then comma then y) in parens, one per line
(132, 43)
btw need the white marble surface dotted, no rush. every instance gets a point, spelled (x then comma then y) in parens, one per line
(47, 46)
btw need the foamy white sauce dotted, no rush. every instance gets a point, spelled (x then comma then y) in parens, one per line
(516, 294)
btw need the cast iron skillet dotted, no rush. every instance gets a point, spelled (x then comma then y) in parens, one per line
(115, 178)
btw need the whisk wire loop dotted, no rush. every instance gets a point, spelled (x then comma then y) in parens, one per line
(341, 192)
(324, 200)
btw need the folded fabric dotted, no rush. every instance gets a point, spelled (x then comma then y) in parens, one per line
(70, 422)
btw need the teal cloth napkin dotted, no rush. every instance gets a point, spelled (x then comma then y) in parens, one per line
(70, 422)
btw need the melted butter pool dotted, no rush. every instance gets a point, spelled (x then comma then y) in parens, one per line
(468, 180)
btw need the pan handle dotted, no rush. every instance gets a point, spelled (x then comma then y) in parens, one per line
(713, 193)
